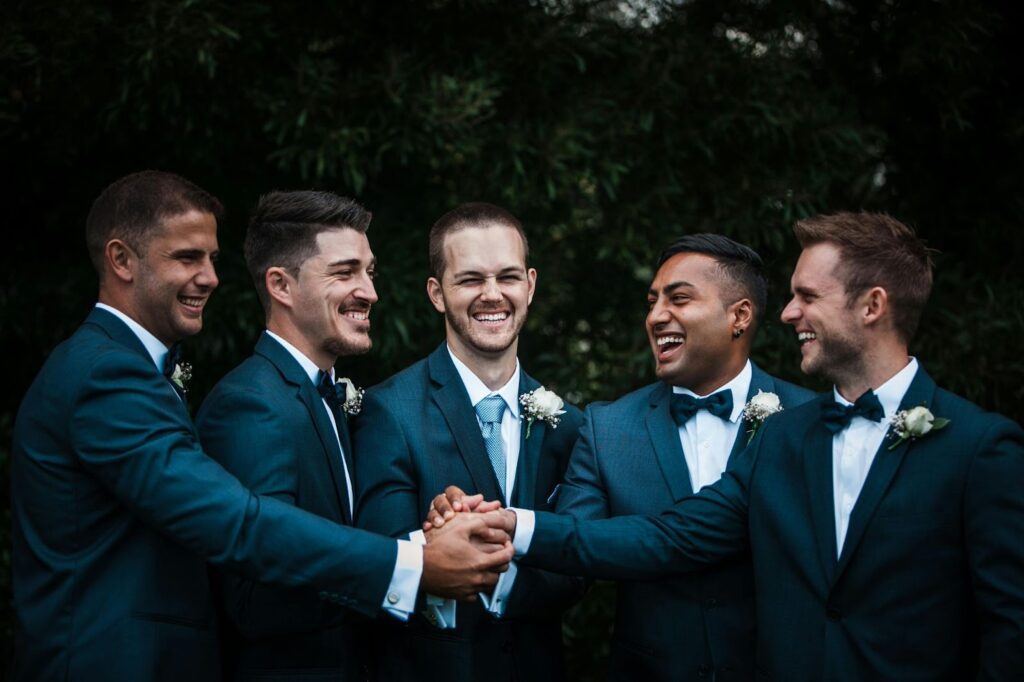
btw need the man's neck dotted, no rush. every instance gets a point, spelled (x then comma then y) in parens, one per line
(877, 368)
(289, 333)
(494, 370)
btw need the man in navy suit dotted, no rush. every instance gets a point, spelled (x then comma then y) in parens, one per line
(885, 539)
(456, 418)
(115, 507)
(659, 444)
(279, 423)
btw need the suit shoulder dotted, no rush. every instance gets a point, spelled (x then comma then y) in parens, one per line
(956, 408)
(791, 394)
(626, 406)
(412, 377)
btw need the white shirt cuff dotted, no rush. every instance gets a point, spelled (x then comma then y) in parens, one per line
(400, 599)
(439, 612)
(524, 530)
(498, 602)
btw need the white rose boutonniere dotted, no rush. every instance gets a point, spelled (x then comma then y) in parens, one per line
(760, 407)
(913, 424)
(352, 401)
(541, 404)
(181, 375)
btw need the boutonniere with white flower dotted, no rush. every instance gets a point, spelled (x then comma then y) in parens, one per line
(759, 408)
(353, 399)
(541, 404)
(913, 424)
(181, 375)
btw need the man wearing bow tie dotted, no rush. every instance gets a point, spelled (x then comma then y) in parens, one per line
(885, 540)
(456, 418)
(657, 445)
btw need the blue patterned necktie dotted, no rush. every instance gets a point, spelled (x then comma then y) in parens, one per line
(837, 416)
(490, 411)
(685, 405)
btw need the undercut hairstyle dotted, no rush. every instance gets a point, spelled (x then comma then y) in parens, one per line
(473, 214)
(284, 227)
(876, 250)
(740, 268)
(134, 208)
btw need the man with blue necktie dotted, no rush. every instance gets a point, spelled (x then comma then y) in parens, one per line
(115, 507)
(884, 518)
(459, 418)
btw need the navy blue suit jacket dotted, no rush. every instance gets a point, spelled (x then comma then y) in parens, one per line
(629, 460)
(930, 582)
(417, 434)
(115, 507)
(266, 423)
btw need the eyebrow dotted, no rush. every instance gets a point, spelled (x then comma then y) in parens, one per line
(476, 273)
(350, 262)
(191, 253)
(669, 288)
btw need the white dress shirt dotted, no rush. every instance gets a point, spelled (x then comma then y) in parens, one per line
(707, 440)
(854, 448)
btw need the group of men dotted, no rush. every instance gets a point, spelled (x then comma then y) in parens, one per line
(299, 529)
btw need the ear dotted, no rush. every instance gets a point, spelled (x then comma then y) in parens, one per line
(121, 260)
(874, 305)
(435, 294)
(741, 316)
(279, 285)
(531, 279)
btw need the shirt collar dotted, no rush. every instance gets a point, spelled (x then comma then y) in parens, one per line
(478, 390)
(891, 393)
(308, 366)
(739, 385)
(154, 346)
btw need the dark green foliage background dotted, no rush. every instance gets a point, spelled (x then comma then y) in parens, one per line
(608, 127)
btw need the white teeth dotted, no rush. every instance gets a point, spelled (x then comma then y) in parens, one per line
(491, 317)
(806, 336)
(662, 340)
(194, 302)
(356, 316)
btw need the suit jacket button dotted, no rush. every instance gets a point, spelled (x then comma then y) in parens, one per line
(833, 614)
(393, 598)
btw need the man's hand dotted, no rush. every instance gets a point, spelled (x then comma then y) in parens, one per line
(453, 500)
(466, 555)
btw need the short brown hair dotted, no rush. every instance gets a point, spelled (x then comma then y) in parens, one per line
(284, 227)
(877, 250)
(134, 207)
(473, 214)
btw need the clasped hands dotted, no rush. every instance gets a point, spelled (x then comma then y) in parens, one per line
(469, 543)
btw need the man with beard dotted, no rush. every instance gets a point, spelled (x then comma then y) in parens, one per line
(279, 422)
(456, 418)
(115, 507)
(884, 517)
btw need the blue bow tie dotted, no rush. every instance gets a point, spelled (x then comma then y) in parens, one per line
(172, 360)
(837, 416)
(333, 392)
(685, 406)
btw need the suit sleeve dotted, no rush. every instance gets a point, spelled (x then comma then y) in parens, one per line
(698, 530)
(132, 434)
(255, 439)
(994, 528)
(582, 494)
(387, 496)
(535, 590)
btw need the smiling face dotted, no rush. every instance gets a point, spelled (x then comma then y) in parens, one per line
(831, 342)
(175, 276)
(690, 325)
(331, 298)
(485, 290)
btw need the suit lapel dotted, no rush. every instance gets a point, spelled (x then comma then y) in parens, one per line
(883, 470)
(817, 456)
(451, 398)
(665, 439)
(117, 330)
(530, 450)
(759, 381)
(307, 394)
